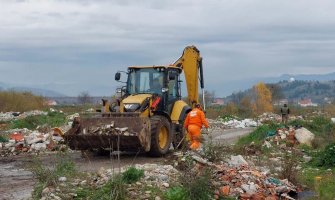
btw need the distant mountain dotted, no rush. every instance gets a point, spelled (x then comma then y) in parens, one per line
(310, 77)
(38, 91)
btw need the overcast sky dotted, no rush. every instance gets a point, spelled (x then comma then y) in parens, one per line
(78, 45)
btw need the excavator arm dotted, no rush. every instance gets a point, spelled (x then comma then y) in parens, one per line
(191, 64)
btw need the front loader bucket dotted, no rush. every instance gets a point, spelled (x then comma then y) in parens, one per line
(116, 131)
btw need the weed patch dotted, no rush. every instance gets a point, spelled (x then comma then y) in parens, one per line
(176, 193)
(20, 101)
(131, 175)
(3, 138)
(320, 180)
(196, 182)
(326, 157)
(52, 119)
(48, 176)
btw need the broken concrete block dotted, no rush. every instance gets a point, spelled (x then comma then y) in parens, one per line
(304, 136)
(237, 161)
(38, 147)
(249, 188)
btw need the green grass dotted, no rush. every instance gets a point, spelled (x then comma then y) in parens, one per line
(258, 135)
(52, 119)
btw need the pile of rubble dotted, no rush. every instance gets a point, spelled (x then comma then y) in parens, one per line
(238, 178)
(269, 117)
(155, 176)
(9, 116)
(24, 140)
(289, 136)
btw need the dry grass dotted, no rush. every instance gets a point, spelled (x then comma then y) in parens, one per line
(20, 101)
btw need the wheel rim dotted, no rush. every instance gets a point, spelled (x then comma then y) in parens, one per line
(163, 137)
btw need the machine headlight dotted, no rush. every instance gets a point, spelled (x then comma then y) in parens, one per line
(131, 107)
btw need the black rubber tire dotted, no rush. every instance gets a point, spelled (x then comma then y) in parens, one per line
(157, 122)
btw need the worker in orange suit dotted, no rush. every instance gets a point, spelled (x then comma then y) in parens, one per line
(193, 124)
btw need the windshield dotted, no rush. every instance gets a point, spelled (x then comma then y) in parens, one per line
(145, 80)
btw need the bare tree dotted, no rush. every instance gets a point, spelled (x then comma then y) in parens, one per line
(84, 98)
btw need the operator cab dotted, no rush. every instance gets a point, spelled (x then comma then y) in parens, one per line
(160, 81)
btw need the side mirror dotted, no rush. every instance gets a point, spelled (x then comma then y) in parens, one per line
(117, 76)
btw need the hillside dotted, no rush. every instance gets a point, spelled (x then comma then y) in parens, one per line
(315, 90)
(294, 91)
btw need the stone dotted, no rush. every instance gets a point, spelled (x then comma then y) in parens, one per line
(62, 179)
(166, 185)
(163, 177)
(46, 191)
(304, 136)
(157, 198)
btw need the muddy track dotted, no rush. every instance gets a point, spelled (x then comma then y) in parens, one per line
(16, 181)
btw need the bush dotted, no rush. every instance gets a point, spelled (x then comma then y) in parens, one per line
(132, 175)
(20, 101)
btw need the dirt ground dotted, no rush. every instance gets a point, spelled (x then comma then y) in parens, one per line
(16, 182)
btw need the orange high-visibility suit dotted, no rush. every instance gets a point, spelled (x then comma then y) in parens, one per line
(193, 124)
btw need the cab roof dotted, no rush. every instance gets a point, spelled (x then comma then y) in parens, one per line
(154, 66)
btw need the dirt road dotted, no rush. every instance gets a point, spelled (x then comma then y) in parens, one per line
(16, 182)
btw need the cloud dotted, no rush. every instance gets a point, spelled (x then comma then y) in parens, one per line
(48, 42)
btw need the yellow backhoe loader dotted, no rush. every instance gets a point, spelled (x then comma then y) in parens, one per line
(150, 114)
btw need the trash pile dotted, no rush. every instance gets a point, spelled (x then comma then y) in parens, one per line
(237, 178)
(289, 136)
(232, 123)
(107, 129)
(9, 116)
(155, 176)
(269, 117)
(24, 140)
